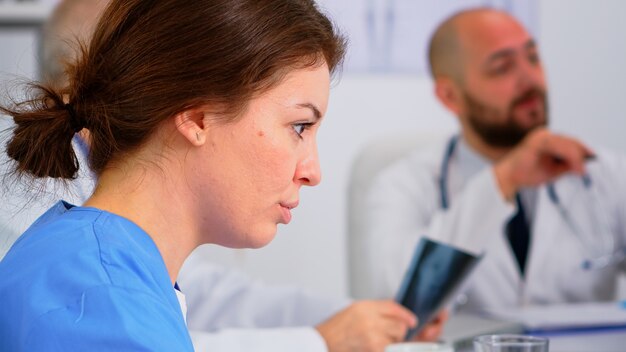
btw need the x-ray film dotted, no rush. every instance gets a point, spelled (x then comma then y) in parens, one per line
(435, 274)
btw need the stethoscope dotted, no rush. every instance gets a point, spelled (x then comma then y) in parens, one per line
(595, 263)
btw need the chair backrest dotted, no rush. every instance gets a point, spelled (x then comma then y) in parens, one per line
(372, 159)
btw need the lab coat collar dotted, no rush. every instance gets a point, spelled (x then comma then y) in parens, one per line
(471, 163)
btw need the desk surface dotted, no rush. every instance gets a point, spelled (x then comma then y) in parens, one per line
(606, 341)
(460, 330)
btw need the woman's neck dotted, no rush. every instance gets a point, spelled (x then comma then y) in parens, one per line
(149, 199)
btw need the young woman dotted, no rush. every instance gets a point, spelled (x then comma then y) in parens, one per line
(202, 117)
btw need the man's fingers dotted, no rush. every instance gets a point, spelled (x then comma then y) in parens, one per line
(433, 330)
(565, 154)
(396, 331)
(393, 310)
(430, 333)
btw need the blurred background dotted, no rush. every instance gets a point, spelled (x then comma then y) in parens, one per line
(385, 90)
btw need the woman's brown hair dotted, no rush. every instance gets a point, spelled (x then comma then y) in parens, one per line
(151, 59)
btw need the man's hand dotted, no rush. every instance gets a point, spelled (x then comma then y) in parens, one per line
(540, 158)
(367, 326)
(434, 328)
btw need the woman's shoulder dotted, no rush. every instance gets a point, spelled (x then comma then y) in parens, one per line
(75, 254)
(47, 267)
(54, 246)
(85, 246)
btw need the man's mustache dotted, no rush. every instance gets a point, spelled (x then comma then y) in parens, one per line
(531, 93)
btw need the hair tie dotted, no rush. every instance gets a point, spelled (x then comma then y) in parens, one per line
(76, 124)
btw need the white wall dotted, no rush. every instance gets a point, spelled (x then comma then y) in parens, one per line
(584, 47)
(583, 44)
(19, 48)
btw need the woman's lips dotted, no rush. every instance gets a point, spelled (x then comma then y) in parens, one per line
(285, 208)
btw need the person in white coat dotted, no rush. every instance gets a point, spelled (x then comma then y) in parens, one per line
(226, 310)
(548, 213)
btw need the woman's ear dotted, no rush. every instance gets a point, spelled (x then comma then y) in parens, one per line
(190, 124)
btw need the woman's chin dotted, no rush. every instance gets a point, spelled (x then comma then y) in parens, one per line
(259, 240)
(254, 239)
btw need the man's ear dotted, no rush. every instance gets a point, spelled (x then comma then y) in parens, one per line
(190, 124)
(449, 94)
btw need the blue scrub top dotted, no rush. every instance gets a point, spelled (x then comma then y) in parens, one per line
(83, 279)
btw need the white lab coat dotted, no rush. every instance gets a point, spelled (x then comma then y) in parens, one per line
(404, 203)
(226, 311)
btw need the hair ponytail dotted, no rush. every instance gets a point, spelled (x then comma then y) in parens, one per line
(42, 138)
(150, 60)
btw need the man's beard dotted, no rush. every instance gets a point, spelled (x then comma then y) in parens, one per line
(509, 132)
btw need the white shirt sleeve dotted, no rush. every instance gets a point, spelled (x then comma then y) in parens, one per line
(228, 311)
(259, 340)
(220, 298)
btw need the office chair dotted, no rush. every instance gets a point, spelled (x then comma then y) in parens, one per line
(372, 159)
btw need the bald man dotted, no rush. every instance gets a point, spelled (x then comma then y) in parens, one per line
(73, 21)
(546, 210)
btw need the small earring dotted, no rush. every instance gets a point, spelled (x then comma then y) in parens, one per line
(198, 136)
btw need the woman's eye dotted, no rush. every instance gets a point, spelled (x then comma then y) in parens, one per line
(299, 128)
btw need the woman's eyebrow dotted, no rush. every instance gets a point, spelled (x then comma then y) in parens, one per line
(316, 112)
